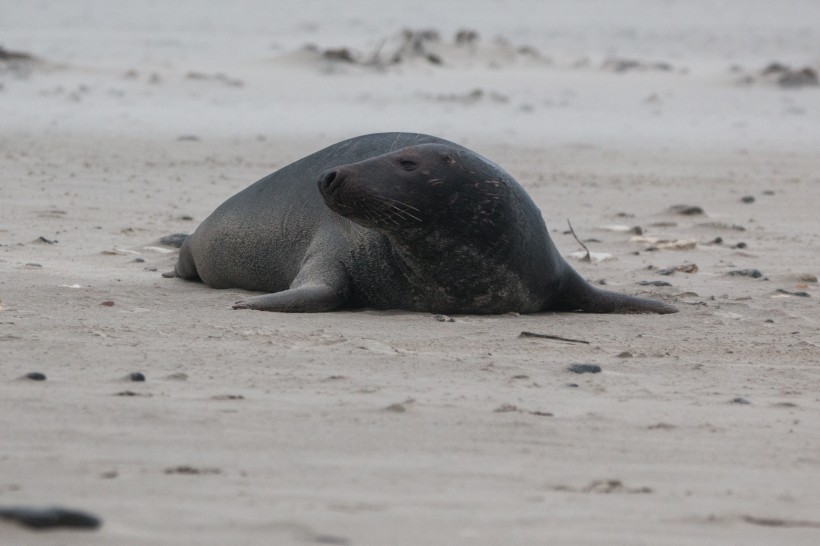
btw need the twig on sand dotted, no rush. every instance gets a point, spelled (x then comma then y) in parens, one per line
(547, 336)
(588, 257)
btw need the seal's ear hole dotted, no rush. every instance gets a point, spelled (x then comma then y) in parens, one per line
(447, 158)
(407, 164)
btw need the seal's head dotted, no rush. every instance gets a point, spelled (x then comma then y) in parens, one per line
(415, 189)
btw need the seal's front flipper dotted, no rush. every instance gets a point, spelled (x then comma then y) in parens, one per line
(309, 298)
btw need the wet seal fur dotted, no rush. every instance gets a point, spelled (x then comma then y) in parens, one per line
(391, 221)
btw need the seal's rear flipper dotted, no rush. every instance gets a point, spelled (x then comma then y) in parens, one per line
(310, 298)
(578, 295)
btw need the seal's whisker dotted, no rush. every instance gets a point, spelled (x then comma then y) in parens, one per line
(399, 207)
(402, 203)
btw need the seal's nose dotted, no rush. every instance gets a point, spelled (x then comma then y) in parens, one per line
(329, 181)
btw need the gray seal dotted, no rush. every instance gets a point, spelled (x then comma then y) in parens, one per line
(391, 221)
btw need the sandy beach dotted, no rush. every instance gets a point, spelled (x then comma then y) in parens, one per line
(121, 123)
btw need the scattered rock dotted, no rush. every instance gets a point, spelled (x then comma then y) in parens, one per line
(191, 471)
(807, 277)
(584, 368)
(613, 486)
(218, 77)
(228, 397)
(627, 65)
(139, 260)
(753, 273)
(506, 408)
(739, 400)
(721, 225)
(108, 303)
(33, 266)
(49, 518)
(42, 239)
(799, 294)
(188, 138)
(684, 268)
(36, 376)
(8, 55)
(654, 283)
(178, 376)
(444, 318)
(174, 240)
(396, 408)
(748, 199)
(625, 354)
(136, 376)
(805, 77)
(341, 54)
(686, 210)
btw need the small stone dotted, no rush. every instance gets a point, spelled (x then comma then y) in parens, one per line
(686, 210)
(625, 354)
(174, 240)
(584, 368)
(753, 273)
(799, 294)
(444, 318)
(740, 400)
(36, 376)
(136, 376)
(139, 260)
(740, 245)
(654, 283)
(108, 303)
(748, 199)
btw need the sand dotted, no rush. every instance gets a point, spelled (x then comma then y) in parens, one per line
(369, 428)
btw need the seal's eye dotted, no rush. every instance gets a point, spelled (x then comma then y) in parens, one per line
(407, 164)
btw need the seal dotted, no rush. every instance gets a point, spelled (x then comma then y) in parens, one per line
(391, 221)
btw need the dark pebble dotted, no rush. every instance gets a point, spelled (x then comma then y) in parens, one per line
(47, 241)
(800, 294)
(686, 210)
(584, 368)
(36, 376)
(753, 273)
(49, 518)
(139, 260)
(741, 245)
(174, 240)
(572, 385)
(667, 271)
(654, 283)
(136, 376)
(748, 199)
(740, 400)
(768, 192)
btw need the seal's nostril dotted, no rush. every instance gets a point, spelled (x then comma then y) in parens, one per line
(330, 181)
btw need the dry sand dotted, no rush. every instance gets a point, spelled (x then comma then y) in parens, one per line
(374, 428)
